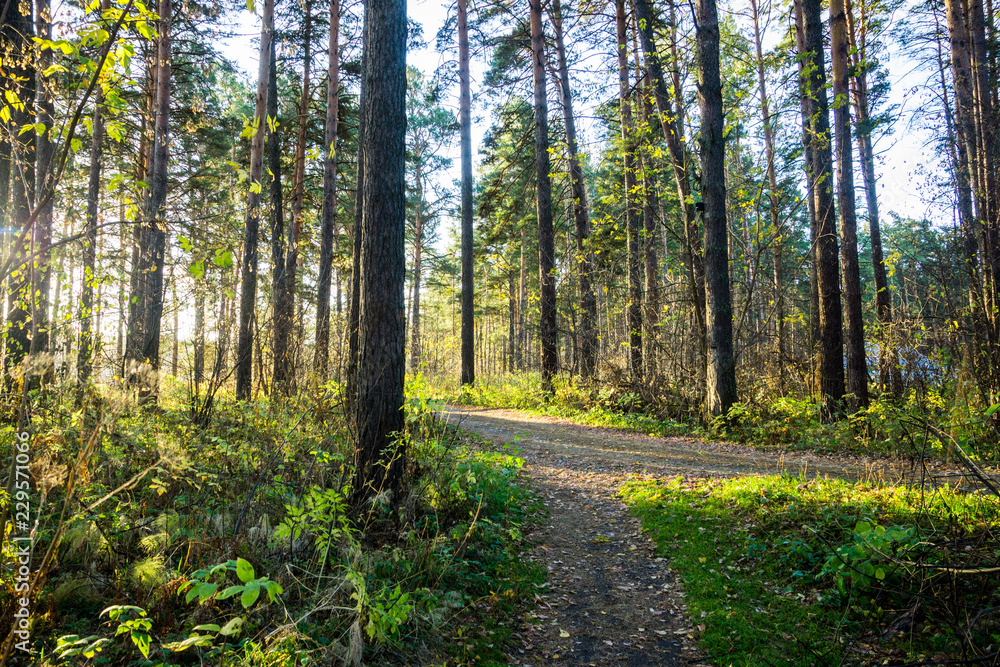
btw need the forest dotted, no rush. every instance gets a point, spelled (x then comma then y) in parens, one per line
(511, 332)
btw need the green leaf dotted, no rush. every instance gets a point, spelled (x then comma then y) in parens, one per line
(244, 570)
(990, 411)
(224, 259)
(197, 269)
(233, 627)
(75, 145)
(273, 590)
(251, 7)
(52, 69)
(193, 640)
(202, 591)
(250, 596)
(879, 574)
(207, 627)
(142, 642)
(230, 592)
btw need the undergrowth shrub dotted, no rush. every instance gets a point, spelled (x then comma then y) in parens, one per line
(227, 541)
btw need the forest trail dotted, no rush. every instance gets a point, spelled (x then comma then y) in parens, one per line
(609, 600)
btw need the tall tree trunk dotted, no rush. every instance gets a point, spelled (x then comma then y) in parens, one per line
(175, 348)
(857, 367)
(156, 231)
(465, 125)
(133, 328)
(248, 291)
(721, 370)
(817, 139)
(581, 212)
(522, 306)
(19, 31)
(418, 245)
(546, 237)
(281, 297)
(968, 181)
(322, 354)
(142, 350)
(987, 149)
(634, 305)
(890, 379)
(379, 463)
(354, 306)
(291, 280)
(85, 352)
(511, 323)
(963, 190)
(671, 116)
(651, 267)
(777, 230)
(199, 337)
(42, 232)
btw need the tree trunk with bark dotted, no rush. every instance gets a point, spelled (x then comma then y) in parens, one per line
(322, 353)
(19, 31)
(632, 212)
(465, 131)
(670, 110)
(248, 291)
(651, 267)
(817, 139)
(143, 352)
(581, 213)
(291, 280)
(418, 246)
(721, 370)
(281, 315)
(890, 379)
(42, 231)
(546, 236)
(380, 456)
(777, 230)
(857, 366)
(85, 352)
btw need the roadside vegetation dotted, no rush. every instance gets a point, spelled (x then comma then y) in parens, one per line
(931, 421)
(795, 571)
(160, 542)
(789, 571)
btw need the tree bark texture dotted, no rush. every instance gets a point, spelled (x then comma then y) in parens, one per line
(857, 366)
(321, 355)
(85, 352)
(379, 456)
(721, 369)
(633, 306)
(465, 131)
(546, 237)
(831, 341)
(584, 261)
(144, 332)
(248, 291)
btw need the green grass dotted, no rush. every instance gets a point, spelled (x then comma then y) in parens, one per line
(442, 580)
(886, 428)
(756, 557)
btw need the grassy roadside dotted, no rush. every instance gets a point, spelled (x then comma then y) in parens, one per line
(784, 571)
(885, 428)
(228, 543)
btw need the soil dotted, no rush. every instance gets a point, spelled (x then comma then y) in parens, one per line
(609, 599)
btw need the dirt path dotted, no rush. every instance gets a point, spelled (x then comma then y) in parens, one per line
(609, 600)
